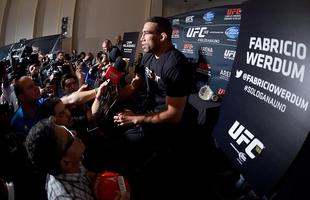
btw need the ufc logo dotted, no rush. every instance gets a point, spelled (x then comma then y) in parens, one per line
(188, 46)
(242, 135)
(234, 11)
(229, 54)
(221, 91)
(200, 31)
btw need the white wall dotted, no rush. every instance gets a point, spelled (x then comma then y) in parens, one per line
(3, 4)
(100, 19)
(90, 21)
(48, 17)
(156, 8)
(20, 20)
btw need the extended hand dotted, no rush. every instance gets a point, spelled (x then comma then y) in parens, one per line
(127, 118)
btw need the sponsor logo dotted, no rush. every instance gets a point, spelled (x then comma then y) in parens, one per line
(175, 21)
(151, 74)
(232, 32)
(189, 19)
(233, 14)
(225, 75)
(199, 32)
(243, 137)
(209, 16)
(229, 54)
(175, 33)
(221, 92)
(234, 11)
(207, 51)
(188, 48)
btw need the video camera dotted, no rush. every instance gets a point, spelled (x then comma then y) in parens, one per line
(17, 60)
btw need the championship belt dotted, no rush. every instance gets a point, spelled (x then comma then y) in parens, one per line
(206, 93)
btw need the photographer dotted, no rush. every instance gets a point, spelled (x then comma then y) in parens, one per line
(33, 72)
(60, 59)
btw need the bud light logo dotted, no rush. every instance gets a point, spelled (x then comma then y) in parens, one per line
(209, 16)
(232, 32)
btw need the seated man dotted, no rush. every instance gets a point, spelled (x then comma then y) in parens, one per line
(168, 77)
(55, 150)
(156, 126)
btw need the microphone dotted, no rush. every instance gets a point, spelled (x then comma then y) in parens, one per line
(115, 72)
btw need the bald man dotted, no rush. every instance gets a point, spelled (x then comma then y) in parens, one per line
(29, 98)
(112, 51)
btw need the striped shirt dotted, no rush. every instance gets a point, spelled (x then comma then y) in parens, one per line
(69, 186)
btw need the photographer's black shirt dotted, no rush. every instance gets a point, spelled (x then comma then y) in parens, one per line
(170, 75)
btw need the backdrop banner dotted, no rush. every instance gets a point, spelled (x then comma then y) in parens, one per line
(46, 44)
(130, 42)
(208, 38)
(264, 117)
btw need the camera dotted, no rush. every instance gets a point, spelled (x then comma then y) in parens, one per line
(15, 64)
(55, 72)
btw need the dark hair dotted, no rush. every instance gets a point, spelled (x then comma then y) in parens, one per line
(99, 54)
(164, 25)
(59, 52)
(107, 41)
(42, 147)
(65, 77)
(49, 81)
(47, 108)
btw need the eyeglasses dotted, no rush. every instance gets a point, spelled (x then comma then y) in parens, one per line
(143, 33)
(71, 139)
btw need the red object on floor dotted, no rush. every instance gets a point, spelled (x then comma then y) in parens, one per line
(108, 184)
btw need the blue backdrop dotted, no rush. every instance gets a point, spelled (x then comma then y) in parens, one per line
(208, 38)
